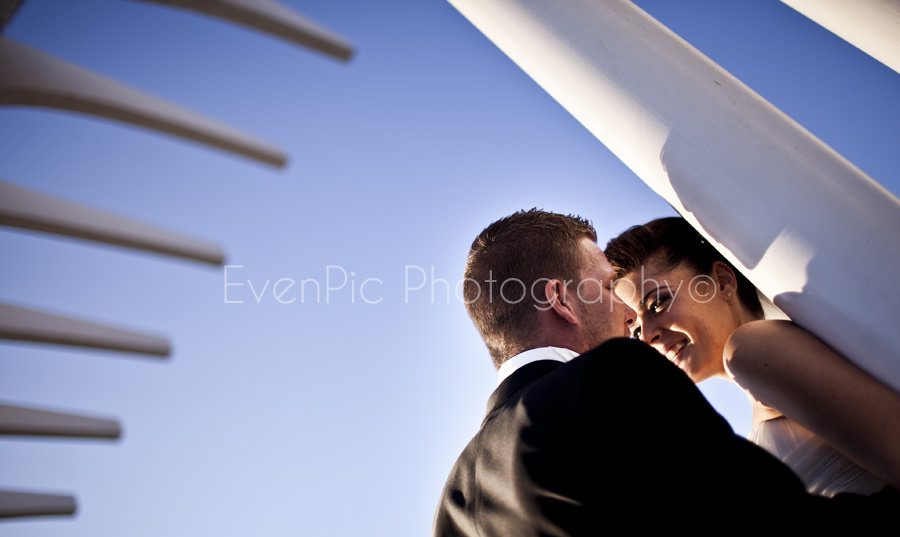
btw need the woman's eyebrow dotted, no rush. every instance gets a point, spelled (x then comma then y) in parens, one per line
(646, 296)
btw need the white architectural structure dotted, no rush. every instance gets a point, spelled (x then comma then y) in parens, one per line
(791, 213)
(33, 78)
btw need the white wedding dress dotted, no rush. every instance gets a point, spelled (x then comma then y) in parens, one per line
(822, 469)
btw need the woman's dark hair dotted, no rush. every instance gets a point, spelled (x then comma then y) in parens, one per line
(672, 242)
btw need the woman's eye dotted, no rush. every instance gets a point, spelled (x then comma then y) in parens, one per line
(636, 334)
(657, 305)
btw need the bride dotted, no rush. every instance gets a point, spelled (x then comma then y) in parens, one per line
(834, 425)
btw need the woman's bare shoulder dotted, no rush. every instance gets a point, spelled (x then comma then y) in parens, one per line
(766, 354)
(759, 339)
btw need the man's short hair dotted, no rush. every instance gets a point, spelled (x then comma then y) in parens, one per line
(503, 269)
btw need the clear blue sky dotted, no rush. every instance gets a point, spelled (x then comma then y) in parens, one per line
(339, 418)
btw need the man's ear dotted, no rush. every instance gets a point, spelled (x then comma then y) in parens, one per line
(560, 301)
(726, 281)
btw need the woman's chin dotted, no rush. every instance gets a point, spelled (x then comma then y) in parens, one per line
(692, 364)
(692, 374)
(698, 375)
(689, 366)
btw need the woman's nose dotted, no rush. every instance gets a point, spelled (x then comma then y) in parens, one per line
(649, 334)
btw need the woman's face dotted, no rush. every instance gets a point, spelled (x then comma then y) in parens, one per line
(684, 315)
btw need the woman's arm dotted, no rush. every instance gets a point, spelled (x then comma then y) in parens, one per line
(791, 370)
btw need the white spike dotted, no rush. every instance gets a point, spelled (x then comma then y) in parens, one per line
(23, 208)
(33, 78)
(24, 421)
(272, 18)
(25, 504)
(24, 324)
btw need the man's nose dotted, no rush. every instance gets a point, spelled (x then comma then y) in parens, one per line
(630, 317)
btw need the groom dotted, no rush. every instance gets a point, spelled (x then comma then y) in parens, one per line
(587, 428)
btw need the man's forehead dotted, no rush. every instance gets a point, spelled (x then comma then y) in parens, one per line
(597, 262)
(595, 255)
(588, 243)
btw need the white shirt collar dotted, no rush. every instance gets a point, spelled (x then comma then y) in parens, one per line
(510, 366)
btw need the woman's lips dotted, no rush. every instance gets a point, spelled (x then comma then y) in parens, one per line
(676, 351)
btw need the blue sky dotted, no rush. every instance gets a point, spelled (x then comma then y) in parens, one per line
(315, 418)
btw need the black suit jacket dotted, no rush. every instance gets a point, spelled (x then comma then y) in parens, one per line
(571, 449)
